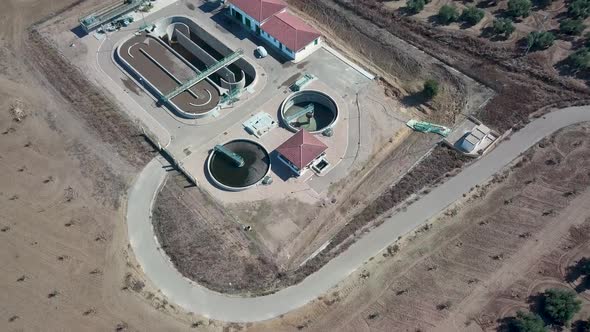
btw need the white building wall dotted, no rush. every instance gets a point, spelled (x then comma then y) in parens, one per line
(296, 56)
(277, 44)
(308, 50)
(297, 171)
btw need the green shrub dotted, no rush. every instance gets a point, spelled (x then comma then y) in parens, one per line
(518, 8)
(503, 27)
(543, 3)
(580, 60)
(430, 89)
(472, 15)
(528, 322)
(448, 14)
(579, 8)
(540, 40)
(415, 6)
(572, 26)
(561, 305)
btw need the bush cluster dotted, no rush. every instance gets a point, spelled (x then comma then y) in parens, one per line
(472, 15)
(448, 14)
(503, 27)
(519, 8)
(540, 40)
(430, 89)
(528, 322)
(571, 26)
(415, 6)
(560, 305)
(579, 9)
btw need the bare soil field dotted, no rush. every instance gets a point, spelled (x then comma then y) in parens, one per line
(546, 18)
(205, 243)
(523, 84)
(67, 156)
(480, 260)
(553, 266)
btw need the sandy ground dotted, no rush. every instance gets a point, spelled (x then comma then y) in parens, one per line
(65, 266)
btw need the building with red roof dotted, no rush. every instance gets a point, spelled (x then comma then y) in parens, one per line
(270, 20)
(291, 31)
(259, 10)
(301, 151)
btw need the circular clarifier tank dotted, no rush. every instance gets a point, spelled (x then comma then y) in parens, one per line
(238, 164)
(311, 110)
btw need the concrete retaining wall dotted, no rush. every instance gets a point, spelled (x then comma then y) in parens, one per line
(163, 28)
(309, 96)
(202, 55)
(152, 89)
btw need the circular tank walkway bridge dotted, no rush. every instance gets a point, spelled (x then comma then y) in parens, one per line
(202, 301)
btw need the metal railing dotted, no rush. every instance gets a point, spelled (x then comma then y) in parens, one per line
(204, 74)
(103, 16)
(234, 157)
(307, 109)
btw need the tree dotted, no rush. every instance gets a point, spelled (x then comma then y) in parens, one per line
(517, 8)
(472, 15)
(580, 60)
(528, 322)
(570, 26)
(560, 305)
(503, 27)
(430, 89)
(448, 14)
(585, 266)
(543, 3)
(415, 6)
(540, 40)
(579, 8)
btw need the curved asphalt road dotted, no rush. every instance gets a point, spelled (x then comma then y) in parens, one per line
(202, 301)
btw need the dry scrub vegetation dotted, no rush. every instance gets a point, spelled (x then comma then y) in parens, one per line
(211, 248)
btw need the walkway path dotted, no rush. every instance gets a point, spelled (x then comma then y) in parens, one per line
(204, 302)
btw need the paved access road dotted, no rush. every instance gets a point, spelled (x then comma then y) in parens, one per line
(204, 302)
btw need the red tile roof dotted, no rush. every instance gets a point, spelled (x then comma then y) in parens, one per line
(302, 148)
(260, 10)
(290, 30)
